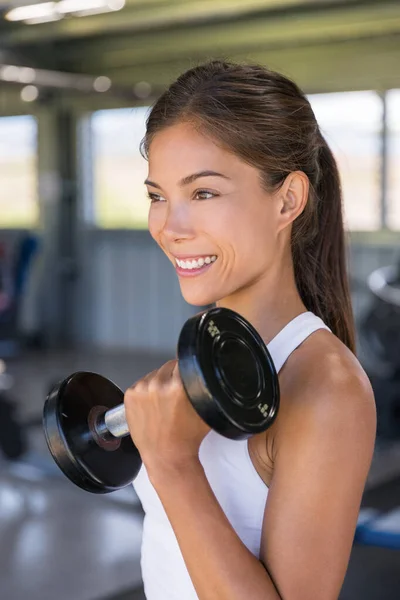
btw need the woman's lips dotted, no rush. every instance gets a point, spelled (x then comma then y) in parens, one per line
(193, 272)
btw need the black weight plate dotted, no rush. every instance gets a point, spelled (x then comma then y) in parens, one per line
(65, 422)
(228, 373)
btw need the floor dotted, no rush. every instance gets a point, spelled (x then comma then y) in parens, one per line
(60, 543)
(374, 573)
(57, 541)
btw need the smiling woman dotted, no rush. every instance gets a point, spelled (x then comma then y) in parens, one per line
(246, 203)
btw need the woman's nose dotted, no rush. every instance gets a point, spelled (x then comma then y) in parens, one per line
(178, 223)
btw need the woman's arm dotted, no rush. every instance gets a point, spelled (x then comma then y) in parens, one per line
(219, 564)
(323, 444)
(322, 455)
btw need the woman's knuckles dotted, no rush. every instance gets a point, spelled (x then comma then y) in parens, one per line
(162, 390)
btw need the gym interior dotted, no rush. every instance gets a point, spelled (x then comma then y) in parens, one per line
(83, 287)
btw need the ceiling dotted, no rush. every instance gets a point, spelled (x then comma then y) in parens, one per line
(325, 44)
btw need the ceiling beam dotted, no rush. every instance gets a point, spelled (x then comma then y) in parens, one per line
(256, 35)
(155, 15)
(347, 65)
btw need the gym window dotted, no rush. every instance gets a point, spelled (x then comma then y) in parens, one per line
(119, 194)
(351, 123)
(19, 206)
(393, 166)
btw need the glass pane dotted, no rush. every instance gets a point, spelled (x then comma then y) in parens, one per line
(351, 124)
(393, 105)
(18, 173)
(119, 169)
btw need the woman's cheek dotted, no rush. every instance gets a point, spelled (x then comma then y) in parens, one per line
(155, 223)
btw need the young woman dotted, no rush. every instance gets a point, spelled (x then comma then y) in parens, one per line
(246, 204)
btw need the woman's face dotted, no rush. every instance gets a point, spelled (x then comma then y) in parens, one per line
(218, 230)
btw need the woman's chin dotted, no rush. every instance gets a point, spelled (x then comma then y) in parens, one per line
(198, 299)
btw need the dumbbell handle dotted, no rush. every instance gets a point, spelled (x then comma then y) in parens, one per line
(114, 422)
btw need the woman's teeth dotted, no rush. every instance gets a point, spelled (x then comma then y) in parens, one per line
(195, 264)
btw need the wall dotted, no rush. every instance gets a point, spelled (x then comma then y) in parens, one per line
(128, 294)
(130, 297)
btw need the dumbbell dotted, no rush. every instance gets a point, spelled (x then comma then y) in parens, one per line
(228, 376)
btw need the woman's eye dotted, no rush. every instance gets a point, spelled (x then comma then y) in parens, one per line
(203, 193)
(153, 197)
(199, 195)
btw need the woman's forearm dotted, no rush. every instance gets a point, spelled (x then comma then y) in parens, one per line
(219, 564)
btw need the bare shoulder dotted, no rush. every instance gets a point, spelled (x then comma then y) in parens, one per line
(324, 384)
(323, 362)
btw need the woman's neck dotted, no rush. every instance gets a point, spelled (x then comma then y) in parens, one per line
(269, 303)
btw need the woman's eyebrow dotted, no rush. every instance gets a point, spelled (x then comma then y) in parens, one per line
(190, 178)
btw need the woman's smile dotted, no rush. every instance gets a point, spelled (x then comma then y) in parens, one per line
(193, 266)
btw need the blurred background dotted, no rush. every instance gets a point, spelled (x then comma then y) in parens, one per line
(83, 287)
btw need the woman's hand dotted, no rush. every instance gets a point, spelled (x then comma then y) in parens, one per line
(162, 422)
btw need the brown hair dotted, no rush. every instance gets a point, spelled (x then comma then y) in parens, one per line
(267, 121)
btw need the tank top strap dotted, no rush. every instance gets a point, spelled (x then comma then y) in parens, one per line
(292, 335)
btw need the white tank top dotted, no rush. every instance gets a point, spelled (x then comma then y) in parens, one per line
(236, 484)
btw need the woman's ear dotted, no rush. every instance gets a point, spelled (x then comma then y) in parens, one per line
(293, 195)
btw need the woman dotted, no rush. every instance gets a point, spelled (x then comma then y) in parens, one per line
(246, 204)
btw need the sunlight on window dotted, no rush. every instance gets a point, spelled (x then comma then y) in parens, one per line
(351, 123)
(18, 172)
(393, 105)
(119, 169)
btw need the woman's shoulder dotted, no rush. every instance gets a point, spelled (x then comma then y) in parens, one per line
(322, 363)
(323, 385)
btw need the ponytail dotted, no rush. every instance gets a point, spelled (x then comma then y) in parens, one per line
(319, 253)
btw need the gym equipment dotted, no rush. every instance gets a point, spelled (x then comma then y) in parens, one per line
(381, 325)
(13, 442)
(15, 267)
(380, 529)
(380, 337)
(228, 375)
